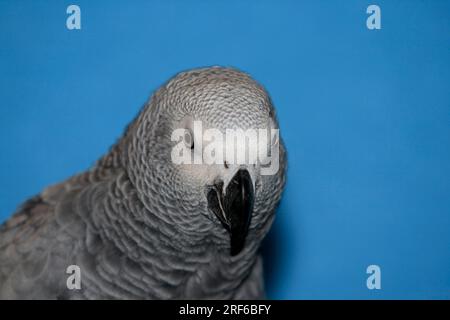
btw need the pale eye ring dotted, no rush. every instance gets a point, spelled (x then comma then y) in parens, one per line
(188, 139)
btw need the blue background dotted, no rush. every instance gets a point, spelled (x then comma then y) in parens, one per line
(365, 116)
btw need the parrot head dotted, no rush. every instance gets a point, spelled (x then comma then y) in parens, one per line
(207, 156)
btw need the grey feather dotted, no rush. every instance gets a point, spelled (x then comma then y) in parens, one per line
(138, 226)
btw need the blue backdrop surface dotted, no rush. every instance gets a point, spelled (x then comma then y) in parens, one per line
(365, 115)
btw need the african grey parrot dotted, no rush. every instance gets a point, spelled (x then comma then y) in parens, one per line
(138, 225)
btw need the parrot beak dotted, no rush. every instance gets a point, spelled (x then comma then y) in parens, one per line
(234, 209)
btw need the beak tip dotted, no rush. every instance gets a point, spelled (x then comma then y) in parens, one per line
(236, 249)
(234, 210)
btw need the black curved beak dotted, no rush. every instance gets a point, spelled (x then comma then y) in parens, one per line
(234, 209)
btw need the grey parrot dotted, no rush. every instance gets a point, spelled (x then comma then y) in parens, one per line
(138, 225)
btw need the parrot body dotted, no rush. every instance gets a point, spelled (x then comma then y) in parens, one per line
(139, 226)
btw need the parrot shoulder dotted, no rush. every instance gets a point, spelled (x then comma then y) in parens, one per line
(36, 244)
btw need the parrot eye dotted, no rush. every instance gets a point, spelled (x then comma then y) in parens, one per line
(188, 139)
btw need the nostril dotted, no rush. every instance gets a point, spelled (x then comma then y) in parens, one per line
(225, 164)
